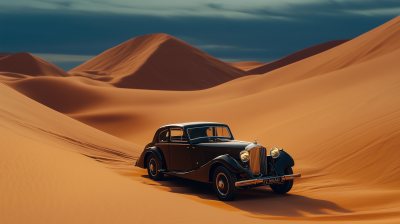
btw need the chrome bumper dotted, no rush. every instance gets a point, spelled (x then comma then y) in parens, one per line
(268, 180)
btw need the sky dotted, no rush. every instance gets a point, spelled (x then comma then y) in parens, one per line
(70, 32)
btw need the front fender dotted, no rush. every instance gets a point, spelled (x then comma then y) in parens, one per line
(281, 163)
(227, 161)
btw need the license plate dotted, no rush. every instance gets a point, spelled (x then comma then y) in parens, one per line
(273, 180)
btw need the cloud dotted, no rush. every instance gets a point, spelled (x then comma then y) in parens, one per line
(225, 47)
(375, 12)
(233, 9)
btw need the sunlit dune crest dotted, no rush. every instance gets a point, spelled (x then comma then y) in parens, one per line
(297, 56)
(337, 112)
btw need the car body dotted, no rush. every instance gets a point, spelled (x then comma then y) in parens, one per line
(207, 152)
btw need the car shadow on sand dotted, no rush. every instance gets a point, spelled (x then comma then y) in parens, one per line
(260, 200)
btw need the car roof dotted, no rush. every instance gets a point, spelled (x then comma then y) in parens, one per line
(193, 124)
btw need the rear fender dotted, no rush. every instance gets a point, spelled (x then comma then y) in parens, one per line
(142, 161)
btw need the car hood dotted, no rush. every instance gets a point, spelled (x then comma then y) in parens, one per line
(228, 144)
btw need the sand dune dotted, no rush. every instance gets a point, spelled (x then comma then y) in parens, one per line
(179, 66)
(32, 65)
(50, 173)
(297, 56)
(337, 113)
(247, 65)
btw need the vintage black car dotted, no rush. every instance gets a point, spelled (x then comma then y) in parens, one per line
(207, 152)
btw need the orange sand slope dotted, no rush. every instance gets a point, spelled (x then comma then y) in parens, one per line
(247, 65)
(44, 177)
(158, 61)
(337, 113)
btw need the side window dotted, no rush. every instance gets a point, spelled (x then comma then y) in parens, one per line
(163, 136)
(177, 135)
(222, 132)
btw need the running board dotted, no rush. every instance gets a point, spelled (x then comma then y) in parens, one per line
(268, 180)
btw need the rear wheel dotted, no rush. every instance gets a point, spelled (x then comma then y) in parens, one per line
(152, 168)
(286, 186)
(224, 184)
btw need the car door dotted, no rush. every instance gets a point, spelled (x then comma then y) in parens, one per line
(179, 151)
(162, 143)
(197, 155)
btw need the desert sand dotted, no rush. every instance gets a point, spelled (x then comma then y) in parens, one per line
(69, 140)
(247, 65)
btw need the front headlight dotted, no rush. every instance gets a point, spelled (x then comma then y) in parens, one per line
(275, 152)
(244, 156)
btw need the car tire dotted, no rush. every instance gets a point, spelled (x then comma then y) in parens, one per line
(224, 184)
(286, 186)
(152, 168)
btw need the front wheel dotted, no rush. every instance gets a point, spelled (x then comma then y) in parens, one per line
(286, 186)
(224, 184)
(153, 167)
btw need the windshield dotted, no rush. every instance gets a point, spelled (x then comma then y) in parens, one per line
(206, 132)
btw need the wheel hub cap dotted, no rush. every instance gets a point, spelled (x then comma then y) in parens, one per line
(153, 167)
(221, 184)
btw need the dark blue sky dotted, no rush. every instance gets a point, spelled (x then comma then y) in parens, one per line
(68, 32)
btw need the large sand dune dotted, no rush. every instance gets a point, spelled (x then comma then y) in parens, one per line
(337, 113)
(158, 61)
(28, 64)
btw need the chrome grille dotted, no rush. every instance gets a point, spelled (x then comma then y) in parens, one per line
(263, 161)
(258, 161)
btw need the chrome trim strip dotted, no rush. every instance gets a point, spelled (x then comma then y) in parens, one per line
(189, 171)
(261, 180)
(292, 176)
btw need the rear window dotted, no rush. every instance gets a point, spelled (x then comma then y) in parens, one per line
(163, 136)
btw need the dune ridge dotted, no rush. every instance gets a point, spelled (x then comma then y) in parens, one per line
(180, 66)
(297, 56)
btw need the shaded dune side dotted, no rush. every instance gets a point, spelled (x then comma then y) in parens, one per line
(159, 62)
(297, 56)
(26, 117)
(28, 64)
(65, 95)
